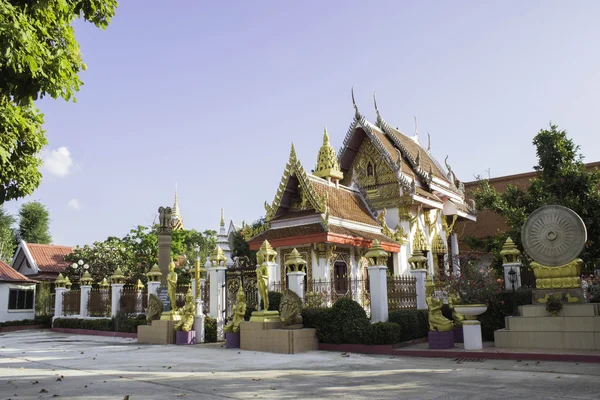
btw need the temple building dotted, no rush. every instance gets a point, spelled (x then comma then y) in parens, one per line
(380, 185)
(176, 214)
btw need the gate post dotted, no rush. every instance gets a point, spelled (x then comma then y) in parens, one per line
(118, 281)
(378, 282)
(295, 265)
(418, 264)
(86, 285)
(217, 289)
(59, 289)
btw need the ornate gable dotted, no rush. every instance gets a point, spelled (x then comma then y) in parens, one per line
(295, 191)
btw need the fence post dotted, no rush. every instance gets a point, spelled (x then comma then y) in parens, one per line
(59, 289)
(295, 265)
(117, 280)
(378, 282)
(86, 285)
(418, 263)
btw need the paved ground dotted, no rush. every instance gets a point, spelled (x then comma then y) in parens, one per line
(43, 364)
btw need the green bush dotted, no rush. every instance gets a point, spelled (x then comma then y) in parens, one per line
(414, 324)
(501, 307)
(318, 318)
(382, 333)
(210, 329)
(126, 325)
(274, 301)
(45, 320)
(348, 322)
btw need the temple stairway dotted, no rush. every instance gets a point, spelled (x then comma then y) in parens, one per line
(576, 326)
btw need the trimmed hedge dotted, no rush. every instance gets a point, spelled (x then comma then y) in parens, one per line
(105, 324)
(210, 329)
(45, 320)
(274, 301)
(414, 324)
(346, 322)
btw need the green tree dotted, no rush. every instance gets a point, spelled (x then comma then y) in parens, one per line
(34, 223)
(39, 56)
(563, 179)
(8, 240)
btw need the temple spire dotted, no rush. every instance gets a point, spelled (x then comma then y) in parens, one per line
(176, 214)
(327, 162)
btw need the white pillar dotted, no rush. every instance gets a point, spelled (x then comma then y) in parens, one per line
(153, 289)
(454, 246)
(296, 280)
(58, 301)
(273, 272)
(217, 298)
(378, 288)
(421, 275)
(116, 296)
(194, 287)
(517, 268)
(83, 300)
(472, 335)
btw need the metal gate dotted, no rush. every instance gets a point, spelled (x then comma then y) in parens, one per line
(244, 275)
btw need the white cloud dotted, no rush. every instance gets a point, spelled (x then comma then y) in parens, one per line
(74, 204)
(58, 162)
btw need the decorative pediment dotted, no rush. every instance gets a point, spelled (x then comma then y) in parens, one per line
(305, 195)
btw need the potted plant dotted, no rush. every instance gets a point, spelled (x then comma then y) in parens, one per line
(554, 303)
(476, 287)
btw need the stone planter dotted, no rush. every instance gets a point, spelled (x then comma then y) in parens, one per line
(441, 340)
(185, 337)
(471, 327)
(458, 335)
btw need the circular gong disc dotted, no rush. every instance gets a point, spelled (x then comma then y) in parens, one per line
(553, 235)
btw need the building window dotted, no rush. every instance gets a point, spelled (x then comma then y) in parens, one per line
(370, 169)
(340, 275)
(20, 299)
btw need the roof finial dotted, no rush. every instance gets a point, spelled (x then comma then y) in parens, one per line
(293, 151)
(416, 127)
(375, 102)
(325, 135)
(357, 114)
(222, 217)
(377, 110)
(428, 142)
(175, 213)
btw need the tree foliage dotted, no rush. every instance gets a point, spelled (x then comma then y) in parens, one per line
(39, 56)
(34, 223)
(137, 252)
(8, 239)
(563, 179)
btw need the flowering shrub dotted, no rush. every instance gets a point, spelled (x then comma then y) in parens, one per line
(475, 285)
(316, 299)
(592, 283)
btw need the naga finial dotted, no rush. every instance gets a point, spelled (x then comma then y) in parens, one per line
(354, 104)
(428, 142)
(416, 127)
(375, 102)
(418, 159)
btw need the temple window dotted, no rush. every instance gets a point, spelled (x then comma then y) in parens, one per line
(340, 277)
(370, 169)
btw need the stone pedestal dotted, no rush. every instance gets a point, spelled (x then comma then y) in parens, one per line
(185, 337)
(575, 327)
(58, 301)
(232, 340)
(265, 316)
(164, 256)
(160, 332)
(441, 340)
(574, 296)
(458, 335)
(420, 275)
(378, 290)
(269, 337)
(472, 335)
(296, 281)
(83, 300)
(115, 298)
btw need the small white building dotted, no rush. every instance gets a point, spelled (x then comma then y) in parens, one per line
(17, 295)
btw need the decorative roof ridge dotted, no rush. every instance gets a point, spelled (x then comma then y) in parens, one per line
(323, 182)
(294, 167)
(365, 198)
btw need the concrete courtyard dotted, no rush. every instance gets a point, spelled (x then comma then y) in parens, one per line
(43, 364)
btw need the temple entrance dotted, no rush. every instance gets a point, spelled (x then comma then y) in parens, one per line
(244, 275)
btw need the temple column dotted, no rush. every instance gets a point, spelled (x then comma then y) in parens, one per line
(454, 247)
(378, 282)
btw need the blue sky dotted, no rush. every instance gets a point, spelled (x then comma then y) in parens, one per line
(211, 94)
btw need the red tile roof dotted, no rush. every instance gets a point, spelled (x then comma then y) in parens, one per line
(49, 257)
(344, 203)
(8, 274)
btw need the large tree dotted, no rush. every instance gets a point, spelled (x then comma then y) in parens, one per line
(39, 56)
(562, 179)
(7, 236)
(34, 223)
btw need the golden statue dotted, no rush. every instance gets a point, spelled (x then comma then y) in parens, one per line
(187, 313)
(239, 313)
(172, 285)
(262, 279)
(437, 321)
(456, 317)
